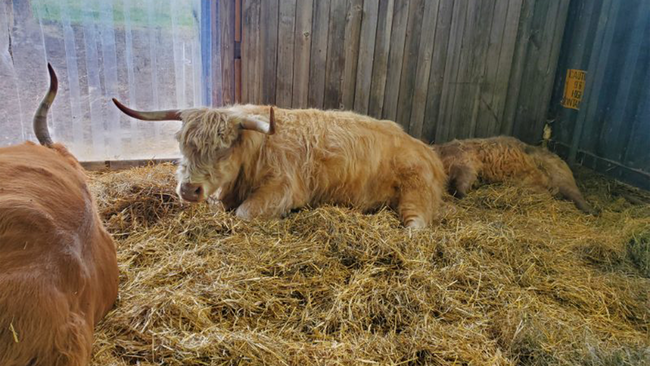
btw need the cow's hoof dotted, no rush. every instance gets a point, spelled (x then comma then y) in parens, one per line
(416, 224)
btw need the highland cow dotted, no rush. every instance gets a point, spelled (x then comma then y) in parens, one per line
(264, 161)
(58, 267)
(501, 159)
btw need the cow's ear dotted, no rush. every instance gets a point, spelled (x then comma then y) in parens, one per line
(257, 123)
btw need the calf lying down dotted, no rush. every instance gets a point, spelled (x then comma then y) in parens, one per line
(501, 159)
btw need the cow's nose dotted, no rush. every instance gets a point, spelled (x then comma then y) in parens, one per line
(191, 192)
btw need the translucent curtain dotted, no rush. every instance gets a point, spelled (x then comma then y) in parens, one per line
(148, 53)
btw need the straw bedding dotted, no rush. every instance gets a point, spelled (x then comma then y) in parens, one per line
(509, 277)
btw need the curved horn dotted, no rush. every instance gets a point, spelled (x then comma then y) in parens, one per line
(165, 115)
(40, 117)
(260, 126)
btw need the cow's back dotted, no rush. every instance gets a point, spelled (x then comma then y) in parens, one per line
(58, 271)
(348, 157)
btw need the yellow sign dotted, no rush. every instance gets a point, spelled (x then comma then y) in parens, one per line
(574, 88)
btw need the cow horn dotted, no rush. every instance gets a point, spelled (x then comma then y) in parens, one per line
(165, 115)
(40, 117)
(260, 126)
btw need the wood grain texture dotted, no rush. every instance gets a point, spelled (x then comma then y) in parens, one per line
(301, 59)
(318, 54)
(443, 69)
(409, 63)
(351, 52)
(269, 28)
(238, 18)
(380, 60)
(227, 24)
(437, 73)
(286, 31)
(395, 59)
(245, 48)
(518, 64)
(366, 56)
(335, 55)
(425, 56)
(480, 41)
(450, 81)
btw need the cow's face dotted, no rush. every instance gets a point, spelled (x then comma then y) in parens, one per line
(210, 142)
(198, 179)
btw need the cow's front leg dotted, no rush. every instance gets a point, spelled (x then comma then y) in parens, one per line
(269, 201)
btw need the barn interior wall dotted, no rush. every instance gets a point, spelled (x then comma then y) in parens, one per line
(443, 69)
(610, 130)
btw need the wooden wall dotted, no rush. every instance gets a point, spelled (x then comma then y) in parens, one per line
(443, 69)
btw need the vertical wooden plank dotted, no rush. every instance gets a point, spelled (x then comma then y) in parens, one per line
(550, 68)
(380, 62)
(425, 56)
(245, 48)
(238, 18)
(395, 59)
(318, 55)
(529, 124)
(301, 60)
(438, 67)
(227, 24)
(351, 53)
(366, 56)
(269, 29)
(504, 67)
(480, 41)
(238, 64)
(409, 63)
(286, 31)
(255, 82)
(215, 55)
(443, 125)
(486, 112)
(250, 51)
(238, 93)
(462, 106)
(335, 56)
(518, 64)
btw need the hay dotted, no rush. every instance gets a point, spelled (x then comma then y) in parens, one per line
(509, 277)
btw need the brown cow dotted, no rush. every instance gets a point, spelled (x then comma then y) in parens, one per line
(266, 166)
(58, 268)
(500, 159)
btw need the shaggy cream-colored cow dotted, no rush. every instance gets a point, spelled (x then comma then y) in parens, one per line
(500, 159)
(265, 161)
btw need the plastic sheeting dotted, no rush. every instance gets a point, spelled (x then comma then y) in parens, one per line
(147, 53)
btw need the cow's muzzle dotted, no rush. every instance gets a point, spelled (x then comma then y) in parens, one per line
(191, 192)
